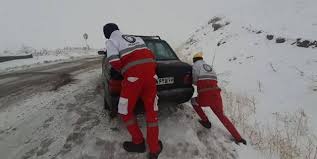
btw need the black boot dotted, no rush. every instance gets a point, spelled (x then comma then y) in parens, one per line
(155, 155)
(205, 124)
(243, 141)
(131, 147)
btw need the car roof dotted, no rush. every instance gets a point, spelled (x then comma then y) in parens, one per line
(156, 38)
(148, 37)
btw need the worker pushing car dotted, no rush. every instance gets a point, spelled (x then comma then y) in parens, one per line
(205, 78)
(130, 56)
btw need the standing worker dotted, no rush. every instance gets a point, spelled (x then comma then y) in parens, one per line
(205, 78)
(130, 56)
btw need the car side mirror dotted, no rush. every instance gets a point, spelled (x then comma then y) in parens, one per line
(102, 53)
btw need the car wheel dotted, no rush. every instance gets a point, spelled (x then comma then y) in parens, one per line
(105, 104)
(106, 97)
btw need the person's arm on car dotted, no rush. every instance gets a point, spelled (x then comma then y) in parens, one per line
(113, 55)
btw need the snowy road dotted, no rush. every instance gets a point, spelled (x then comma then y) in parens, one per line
(39, 76)
(55, 112)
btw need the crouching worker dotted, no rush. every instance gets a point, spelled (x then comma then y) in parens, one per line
(130, 56)
(205, 78)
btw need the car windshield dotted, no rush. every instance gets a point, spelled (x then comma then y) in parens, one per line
(161, 50)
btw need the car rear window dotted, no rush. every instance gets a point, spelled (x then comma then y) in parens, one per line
(161, 50)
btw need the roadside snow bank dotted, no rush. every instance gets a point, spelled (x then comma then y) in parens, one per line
(42, 57)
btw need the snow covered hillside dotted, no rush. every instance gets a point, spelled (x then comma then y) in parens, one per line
(275, 71)
(42, 56)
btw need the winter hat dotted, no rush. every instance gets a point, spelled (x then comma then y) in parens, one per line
(198, 55)
(109, 28)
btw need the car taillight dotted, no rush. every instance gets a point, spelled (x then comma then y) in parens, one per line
(188, 79)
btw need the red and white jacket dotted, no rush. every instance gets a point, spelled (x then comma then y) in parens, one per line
(125, 51)
(204, 76)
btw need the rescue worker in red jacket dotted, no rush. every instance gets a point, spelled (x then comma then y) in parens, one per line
(130, 56)
(205, 78)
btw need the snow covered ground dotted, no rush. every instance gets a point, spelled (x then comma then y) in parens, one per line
(41, 57)
(70, 123)
(278, 77)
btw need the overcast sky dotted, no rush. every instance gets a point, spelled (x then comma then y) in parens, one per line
(59, 23)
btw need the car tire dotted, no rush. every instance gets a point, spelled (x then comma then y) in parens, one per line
(106, 97)
(105, 104)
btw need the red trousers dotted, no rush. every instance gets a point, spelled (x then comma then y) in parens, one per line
(140, 83)
(212, 99)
